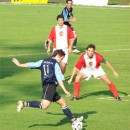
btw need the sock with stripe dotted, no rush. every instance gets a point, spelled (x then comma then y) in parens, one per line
(35, 104)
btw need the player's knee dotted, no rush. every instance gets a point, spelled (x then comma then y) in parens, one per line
(77, 79)
(63, 104)
(44, 106)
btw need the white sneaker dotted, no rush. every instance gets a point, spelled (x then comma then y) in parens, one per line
(80, 119)
(76, 51)
(20, 106)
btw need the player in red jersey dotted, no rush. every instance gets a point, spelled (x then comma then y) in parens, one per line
(89, 65)
(63, 38)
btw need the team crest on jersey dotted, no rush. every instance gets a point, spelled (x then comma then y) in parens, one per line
(61, 33)
(90, 63)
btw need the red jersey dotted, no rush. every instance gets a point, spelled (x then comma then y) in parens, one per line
(61, 36)
(86, 62)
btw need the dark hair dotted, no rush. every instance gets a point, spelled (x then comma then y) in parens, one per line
(68, 1)
(59, 16)
(59, 52)
(91, 46)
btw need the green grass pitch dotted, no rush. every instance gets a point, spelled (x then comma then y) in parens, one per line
(23, 29)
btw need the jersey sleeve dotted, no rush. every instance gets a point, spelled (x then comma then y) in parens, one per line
(52, 34)
(80, 63)
(34, 65)
(70, 33)
(58, 73)
(64, 13)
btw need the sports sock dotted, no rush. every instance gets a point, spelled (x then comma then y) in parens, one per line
(113, 90)
(75, 42)
(76, 89)
(35, 104)
(67, 112)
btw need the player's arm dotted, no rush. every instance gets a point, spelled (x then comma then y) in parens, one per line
(77, 67)
(50, 39)
(60, 78)
(71, 39)
(32, 65)
(111, 67)
(17, 63)
(74, 72)
(49, 46)
(73, 19)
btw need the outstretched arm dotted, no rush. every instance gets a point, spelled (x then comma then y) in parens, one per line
(72, 75)
(113, 70)
(16, 62)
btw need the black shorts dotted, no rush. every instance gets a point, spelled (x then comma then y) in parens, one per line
(49, 93)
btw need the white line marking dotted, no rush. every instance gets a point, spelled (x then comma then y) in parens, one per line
(116, 50)
(112, 98)
(46, 53)
(23, 54)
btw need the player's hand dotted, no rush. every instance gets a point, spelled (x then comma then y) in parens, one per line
(15, 61)
(69, 81)
(67, 94)
(116, 74)
(74, 19)
(70, 50)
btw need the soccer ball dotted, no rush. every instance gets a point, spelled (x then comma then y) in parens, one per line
(77, 125)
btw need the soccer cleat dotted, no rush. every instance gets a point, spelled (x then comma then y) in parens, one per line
(46, 44)
(74, 99)
(118, 99)
(20, 106)
(76, 51)
(80, 119)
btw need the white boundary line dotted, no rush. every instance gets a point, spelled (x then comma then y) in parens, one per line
(116, 50)
(46, 53)
(112, 98)
(22, 55)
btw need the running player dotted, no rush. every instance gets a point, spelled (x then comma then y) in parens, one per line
(51, 76)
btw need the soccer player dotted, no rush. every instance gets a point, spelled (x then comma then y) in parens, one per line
(51, 76)
(69, 17)
(89, 65)
(63, 38)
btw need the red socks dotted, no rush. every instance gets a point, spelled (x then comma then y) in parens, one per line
(112, 87)
(76, 89)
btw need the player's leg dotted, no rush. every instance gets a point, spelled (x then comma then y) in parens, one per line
(64, 61)
(111, 86)
(63, 67)
(47, 97)
(67, 111)
(75, 42)
(22, 104)
(80, 76)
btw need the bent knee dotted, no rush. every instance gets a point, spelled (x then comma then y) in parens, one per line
(63, 104)
(44, 107)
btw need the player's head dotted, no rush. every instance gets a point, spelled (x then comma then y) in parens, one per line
(90, 49)
(58, 55)
(69, 3)
(60, 20)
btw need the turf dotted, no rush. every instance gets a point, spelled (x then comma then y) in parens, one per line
(23, 29)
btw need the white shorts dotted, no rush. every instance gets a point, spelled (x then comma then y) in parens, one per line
(95, 72)
(65, 59)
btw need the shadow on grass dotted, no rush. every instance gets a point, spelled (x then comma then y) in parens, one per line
(107, 93)
(25, 54)
(65, 120)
